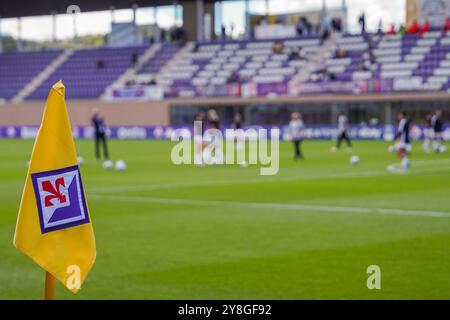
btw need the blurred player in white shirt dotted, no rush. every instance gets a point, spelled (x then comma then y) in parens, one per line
(198, 137)
(342, 133)
(212, 139)
(296, 129)
(427, 133)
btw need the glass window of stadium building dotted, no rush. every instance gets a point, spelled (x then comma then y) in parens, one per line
(364, 113)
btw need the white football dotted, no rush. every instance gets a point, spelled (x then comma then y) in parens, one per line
(107, 164)
(442, 149)
(80, 160)
(214, 161)
(121, 165)
(244, 164)
(354, 160)
(391, 149)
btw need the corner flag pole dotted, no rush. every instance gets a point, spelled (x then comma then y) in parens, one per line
(50, 286)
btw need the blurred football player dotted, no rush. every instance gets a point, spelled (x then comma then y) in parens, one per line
(212, 139)
(199, 129)
(100, 134)
(427, 133)
(296, 130)
(240, 135)
(342, 132)
(403, 142)
(213, 119)
(236, 124)
(438, 130)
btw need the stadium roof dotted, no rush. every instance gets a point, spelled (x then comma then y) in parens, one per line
(25, 8)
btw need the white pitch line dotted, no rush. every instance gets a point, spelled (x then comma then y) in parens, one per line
(151, 187)
(279, 206)
(201, 183)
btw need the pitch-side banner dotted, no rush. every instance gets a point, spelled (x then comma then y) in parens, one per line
(379, 132)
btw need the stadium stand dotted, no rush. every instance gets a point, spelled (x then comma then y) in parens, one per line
(164, 54)
(402, 63)
(236, 61)
(88, 72)
(414, 62)
(18, 68)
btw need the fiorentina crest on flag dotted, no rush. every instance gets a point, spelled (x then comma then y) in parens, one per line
(60, 199)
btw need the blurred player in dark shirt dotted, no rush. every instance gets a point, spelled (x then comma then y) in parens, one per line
(239, 140)
(236, 124)
(99, 125)
(438, 130)
(403, 142)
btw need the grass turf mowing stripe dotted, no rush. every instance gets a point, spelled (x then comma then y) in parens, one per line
(280, 206)
(149, 187)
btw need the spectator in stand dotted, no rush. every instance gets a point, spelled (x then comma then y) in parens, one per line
(336, 24)
(325, 34)
(320, 73)
(446, 26)
(233, 78)
(391, 31)
(134, 58)
(296, 54)
(424, 28)
(100, 64)
(308, 25)
(299, 28)
(304, 26)
(318, 28)
(232, 30)
(130, 83)
(340, 53)
(277, 47)
(223, 30)
(414, 28)
(293, 55)
(402, 29)
(362, 22)
(178, 34)
(366, 62)
(380, 27)
(301, 53)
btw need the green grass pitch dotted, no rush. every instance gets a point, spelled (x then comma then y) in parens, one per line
(182, 232)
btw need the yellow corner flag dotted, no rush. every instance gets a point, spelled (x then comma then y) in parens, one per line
(53, 225)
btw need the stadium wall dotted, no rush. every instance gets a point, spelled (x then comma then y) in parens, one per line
(118, 113)
(151, 113)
